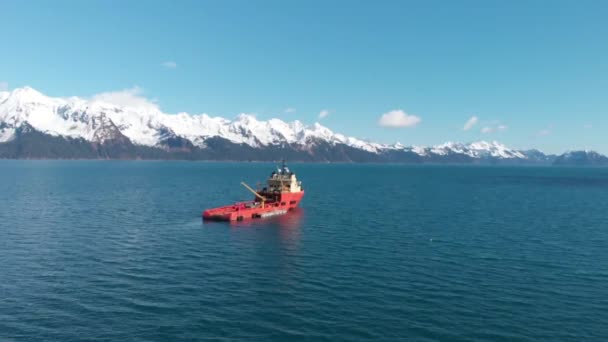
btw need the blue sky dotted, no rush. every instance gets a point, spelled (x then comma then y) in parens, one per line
(533, 73)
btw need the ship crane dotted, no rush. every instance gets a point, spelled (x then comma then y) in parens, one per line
(262, 198)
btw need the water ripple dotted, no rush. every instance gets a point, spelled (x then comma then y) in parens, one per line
(117, 251)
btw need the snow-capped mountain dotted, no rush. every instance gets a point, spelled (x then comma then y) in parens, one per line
(88, 119)
(88, 128)
(477, 150)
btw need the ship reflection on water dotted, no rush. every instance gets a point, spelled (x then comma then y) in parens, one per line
(284, 228)
(290, 220)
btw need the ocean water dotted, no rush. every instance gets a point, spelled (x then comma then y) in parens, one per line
(116, 251)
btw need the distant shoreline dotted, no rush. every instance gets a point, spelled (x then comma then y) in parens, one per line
(230, 161)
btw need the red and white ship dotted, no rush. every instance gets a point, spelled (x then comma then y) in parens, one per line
(282, 193)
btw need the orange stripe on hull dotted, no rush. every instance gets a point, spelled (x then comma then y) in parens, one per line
(253, 209)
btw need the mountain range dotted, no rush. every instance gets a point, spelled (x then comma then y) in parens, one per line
(33, 125)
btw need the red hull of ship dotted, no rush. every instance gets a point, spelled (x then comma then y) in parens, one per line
(253, 209)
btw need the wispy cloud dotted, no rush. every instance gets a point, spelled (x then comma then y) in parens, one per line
(494, 128)
(131, 97)
(169, 64)
(470, 123)
(398, 118)
(324, 113)
(290, 110)
(544, 132)
(3, 85)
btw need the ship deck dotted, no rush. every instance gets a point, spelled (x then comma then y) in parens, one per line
(253, 209)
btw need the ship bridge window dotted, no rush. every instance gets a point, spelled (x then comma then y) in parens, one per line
(292, 202)
(283, 203)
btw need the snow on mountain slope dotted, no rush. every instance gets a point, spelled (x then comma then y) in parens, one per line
(480, 149)
(6, 134)
(98, 120)
(4, 95)
(78, 118)
(477, 150)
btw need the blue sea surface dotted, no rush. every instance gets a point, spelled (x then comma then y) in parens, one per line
(117, 251)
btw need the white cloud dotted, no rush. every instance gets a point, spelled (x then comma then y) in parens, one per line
(470, 123)
(398, 118)
(290, 110)
(495, 128)
(169, 64)
(544, 132)
(324, 113)
(3, 85)
(588, 126)
(131, 97)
